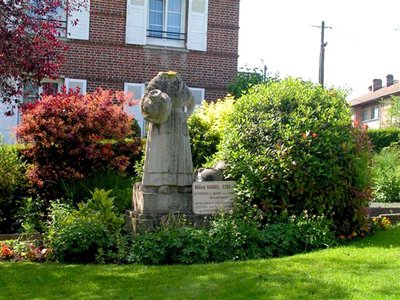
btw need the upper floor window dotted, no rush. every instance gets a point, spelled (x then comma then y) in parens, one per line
(57, 15)
(72, 25)
(166, 22)
(170, 23)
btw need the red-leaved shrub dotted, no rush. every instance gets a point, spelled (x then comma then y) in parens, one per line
(68, 136)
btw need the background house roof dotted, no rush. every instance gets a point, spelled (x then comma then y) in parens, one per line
(383, 92)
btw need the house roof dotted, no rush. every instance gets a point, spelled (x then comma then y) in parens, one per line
(383, 92)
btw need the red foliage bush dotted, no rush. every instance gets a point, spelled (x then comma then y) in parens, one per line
(68, 135)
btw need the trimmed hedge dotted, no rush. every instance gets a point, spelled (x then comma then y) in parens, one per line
(381, 138)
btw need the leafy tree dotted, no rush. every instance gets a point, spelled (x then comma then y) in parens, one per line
(30, 49)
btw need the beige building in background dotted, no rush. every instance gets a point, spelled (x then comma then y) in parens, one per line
(371, 108)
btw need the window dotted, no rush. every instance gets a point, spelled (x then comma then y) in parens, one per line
(75, 26)
(33, 92)
(58, 16)
(198, 95)
(370, 113)
(166, 23)
(169, 23)
(375, 112)
(136, 90)
(48, 86)
(76, 83)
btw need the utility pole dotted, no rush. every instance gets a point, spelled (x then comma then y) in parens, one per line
(322, 52)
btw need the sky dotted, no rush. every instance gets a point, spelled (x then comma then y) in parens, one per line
(363, 43)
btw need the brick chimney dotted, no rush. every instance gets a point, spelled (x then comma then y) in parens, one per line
(389, 80)
(376, 84)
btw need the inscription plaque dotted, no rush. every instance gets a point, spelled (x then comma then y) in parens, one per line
(209, 197)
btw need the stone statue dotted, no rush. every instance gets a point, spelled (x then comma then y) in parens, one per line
(166, 105)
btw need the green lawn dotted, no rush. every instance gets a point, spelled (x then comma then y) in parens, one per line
(367, 269)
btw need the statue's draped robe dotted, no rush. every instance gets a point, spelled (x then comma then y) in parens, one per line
(168, 158)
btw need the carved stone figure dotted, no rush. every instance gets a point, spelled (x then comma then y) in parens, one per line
(167, 104)
(210, 174)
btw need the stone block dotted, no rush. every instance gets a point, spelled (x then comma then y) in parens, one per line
(161, 200)
(140, 223)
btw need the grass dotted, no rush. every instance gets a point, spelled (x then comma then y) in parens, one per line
(365, 269)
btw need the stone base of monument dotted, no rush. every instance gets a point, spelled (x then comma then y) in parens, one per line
(140, 223)
(198, 203)
(152, 203)
(161, 199)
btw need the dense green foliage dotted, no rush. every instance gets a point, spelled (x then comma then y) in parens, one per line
(393, 111)
(231, 238)
(206, 126)
(384, 137)
(245, 79)
(386, 175)
(90, 233)
(290, 146)
(119, 183)
(12, 184)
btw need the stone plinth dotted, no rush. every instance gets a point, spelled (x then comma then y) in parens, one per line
(140, 223)
(152, 203)
(161, 199)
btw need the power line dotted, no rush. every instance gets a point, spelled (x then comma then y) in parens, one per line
(322, 52)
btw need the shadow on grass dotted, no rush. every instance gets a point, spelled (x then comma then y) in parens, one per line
(243, 280)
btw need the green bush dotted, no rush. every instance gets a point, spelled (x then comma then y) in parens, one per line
(247, 78)
(206, 126)
(121, 184)
(12, 185)
(185, 245)
(386, 175)
(233, 238)
(381, 138)
(290, 146)
(230, 237)
(315, 232)
(32, 214)
(90, 233)
(299, 234)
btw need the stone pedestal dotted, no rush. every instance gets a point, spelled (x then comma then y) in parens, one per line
(140, 223)
(151, 203)
(161, 199)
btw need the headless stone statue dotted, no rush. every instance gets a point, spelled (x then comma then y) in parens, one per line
(167, 104)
